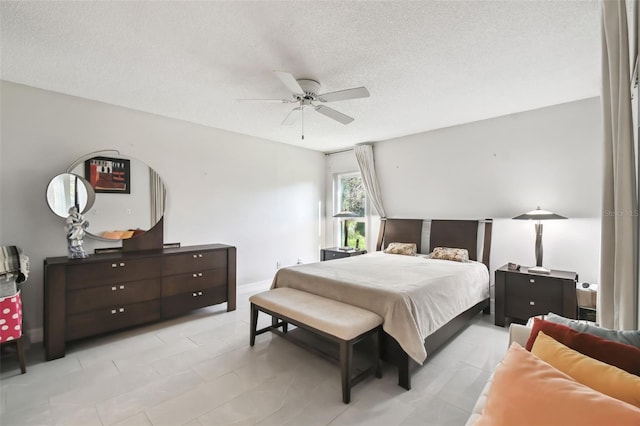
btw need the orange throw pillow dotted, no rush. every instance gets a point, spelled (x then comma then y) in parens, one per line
(590, 372)
(528, 391)
(623, 356)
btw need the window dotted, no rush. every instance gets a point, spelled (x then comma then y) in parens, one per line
(350, 196)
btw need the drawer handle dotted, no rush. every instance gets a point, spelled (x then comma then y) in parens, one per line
(121, 263)
(121, 310)
(113, 311)
(113, 288)
(532, 303)
(195, 294)
(195, 255)
(532, 281)
(200, 255)
(114, 265)
(122, 287)
(199, 293)
(195, 275)
(199, 274)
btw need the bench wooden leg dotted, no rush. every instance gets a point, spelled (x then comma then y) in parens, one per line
(376, 353)
(346, 355)
(284, 324)
(254, 324)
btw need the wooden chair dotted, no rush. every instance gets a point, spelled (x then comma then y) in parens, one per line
(11, 325)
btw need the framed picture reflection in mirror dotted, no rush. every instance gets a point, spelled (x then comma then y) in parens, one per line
(109, 175)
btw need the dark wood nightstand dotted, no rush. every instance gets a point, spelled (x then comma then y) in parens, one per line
(337, 253)
(521, 295)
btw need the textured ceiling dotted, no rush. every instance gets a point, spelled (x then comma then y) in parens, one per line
(427, 64)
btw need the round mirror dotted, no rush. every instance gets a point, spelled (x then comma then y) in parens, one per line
(67, 190)
(129, 195)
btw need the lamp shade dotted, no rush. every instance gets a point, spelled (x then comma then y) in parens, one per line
(539, 214)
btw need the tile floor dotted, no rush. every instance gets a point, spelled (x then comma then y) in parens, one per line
(199, 370)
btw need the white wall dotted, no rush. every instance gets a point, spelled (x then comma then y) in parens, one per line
(263, 197)
(500, 168)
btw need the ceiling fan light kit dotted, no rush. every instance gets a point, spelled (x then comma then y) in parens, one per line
(305, 92)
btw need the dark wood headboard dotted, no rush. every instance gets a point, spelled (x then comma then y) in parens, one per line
(444, 233)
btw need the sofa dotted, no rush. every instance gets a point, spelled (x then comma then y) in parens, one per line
(562, 372)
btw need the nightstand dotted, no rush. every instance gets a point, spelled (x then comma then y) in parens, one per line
(337, 253)
(521, 295)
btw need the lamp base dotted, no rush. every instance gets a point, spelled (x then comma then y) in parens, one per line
(538, 270)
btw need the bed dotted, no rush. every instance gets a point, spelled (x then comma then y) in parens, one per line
(423, 302)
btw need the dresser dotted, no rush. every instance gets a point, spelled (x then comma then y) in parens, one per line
(107, 292)
(336, 253)
(521, 295)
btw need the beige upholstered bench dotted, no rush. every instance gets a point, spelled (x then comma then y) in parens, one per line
(334, 320)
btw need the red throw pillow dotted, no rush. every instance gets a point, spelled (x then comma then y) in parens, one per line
(625, 357)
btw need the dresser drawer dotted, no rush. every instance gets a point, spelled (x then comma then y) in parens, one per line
(528, 286)
(329, 255)
(89, 299)
(112, 272)
(186, 283)
(194, 261)
(526, 307)
(185, 302)
(108, 319)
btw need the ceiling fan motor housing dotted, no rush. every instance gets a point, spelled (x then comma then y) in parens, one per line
(310, 87)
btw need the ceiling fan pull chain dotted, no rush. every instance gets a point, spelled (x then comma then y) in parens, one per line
(302, 112)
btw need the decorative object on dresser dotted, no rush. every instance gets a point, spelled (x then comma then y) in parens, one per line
(87, 297)
(76, 225)
(521, 295)
(338, 253)
(539, 215)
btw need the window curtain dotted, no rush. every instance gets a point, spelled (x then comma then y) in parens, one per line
(364, 155)
(158, 196)
(618, 298)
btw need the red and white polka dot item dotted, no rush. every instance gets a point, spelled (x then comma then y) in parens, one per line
(10, 317)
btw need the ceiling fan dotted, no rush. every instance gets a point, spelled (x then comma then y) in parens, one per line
(304, 92)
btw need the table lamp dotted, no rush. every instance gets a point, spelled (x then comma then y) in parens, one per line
(344, 215)
(539, 215)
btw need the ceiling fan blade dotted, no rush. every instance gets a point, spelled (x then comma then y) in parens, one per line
(332, 113)
(291, 118)
(275, 101)
(343, 95)
(289, 81)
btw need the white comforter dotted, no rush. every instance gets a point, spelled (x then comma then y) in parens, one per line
(415, 296)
